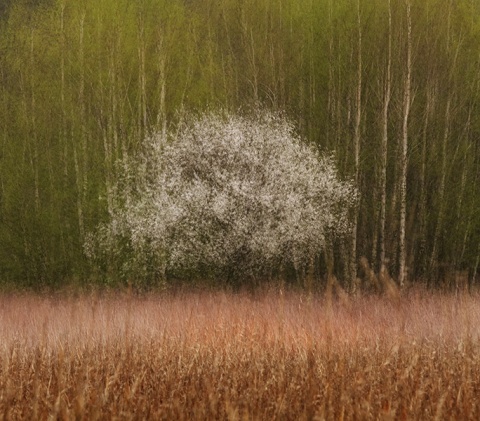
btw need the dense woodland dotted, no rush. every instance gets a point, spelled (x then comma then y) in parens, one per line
(392, 87)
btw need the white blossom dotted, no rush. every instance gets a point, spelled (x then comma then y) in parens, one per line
(230, 193)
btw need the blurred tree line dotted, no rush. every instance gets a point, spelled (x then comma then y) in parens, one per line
(391, 86)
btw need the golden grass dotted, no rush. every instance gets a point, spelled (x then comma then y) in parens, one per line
(214, 355)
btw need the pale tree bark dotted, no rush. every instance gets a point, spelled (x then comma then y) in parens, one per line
(356, 147)
(384, 143)
(402, 274)
(80, 161)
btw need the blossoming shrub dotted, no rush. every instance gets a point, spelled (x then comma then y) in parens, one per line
(226, 195)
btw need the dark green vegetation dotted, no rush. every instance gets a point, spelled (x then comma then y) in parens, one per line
(83, 82)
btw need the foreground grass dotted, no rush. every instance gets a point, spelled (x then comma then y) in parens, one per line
(224, 356)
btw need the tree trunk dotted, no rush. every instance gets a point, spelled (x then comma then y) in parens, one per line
(404, 148)
(384, 143)
(80, 167)
(356, 146)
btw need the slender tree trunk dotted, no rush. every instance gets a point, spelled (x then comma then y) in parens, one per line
(403, 172)
(356, 146)
(79, 161)
(384, 143)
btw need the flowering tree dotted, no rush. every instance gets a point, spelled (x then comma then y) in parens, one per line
(227, 195)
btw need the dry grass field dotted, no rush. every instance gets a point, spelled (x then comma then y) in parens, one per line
(215, 355)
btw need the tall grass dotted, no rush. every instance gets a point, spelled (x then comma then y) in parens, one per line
(216, 355)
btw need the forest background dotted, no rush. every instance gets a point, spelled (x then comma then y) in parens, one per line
(392, 87)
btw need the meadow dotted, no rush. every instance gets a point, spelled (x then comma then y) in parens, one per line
(221, 355)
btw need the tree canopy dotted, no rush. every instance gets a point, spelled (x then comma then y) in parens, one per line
(232, 196)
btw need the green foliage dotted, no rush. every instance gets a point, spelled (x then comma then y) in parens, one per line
(83, 82)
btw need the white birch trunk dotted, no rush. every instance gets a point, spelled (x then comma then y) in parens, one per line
(356, 146)
(384, 144)
(404, 148)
